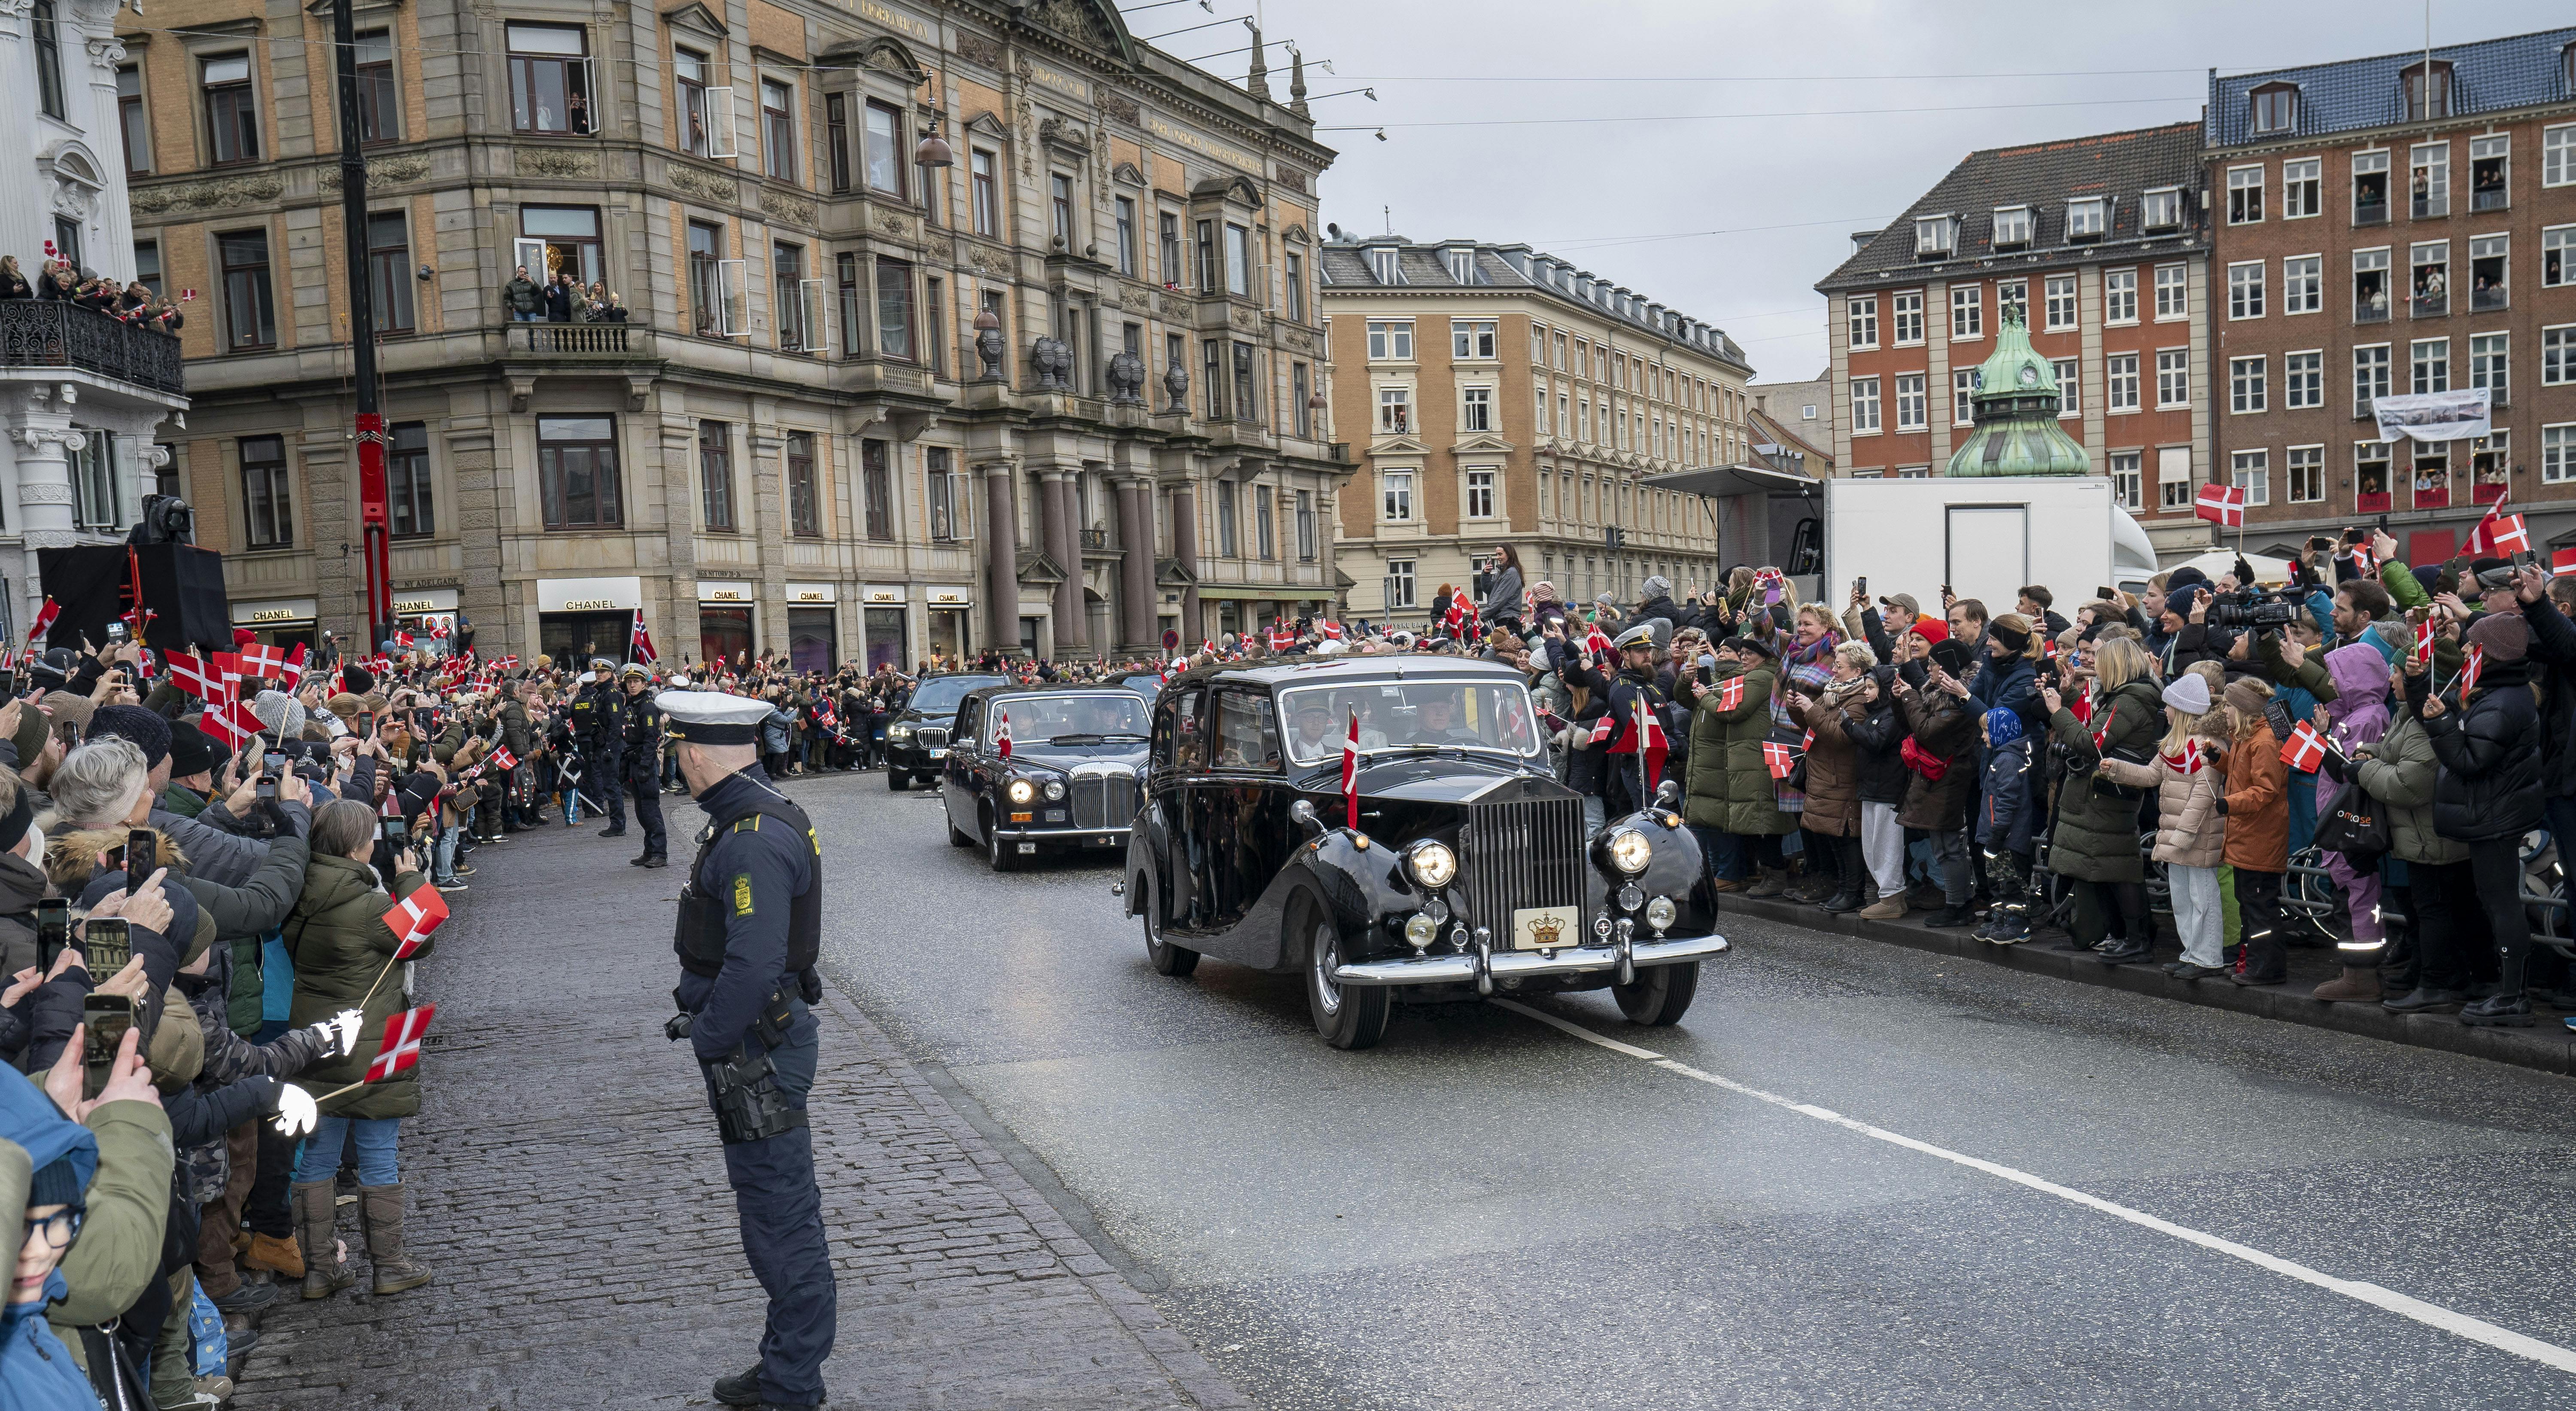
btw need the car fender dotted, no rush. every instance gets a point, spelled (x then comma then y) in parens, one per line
(1677, 870)
(1361, 882)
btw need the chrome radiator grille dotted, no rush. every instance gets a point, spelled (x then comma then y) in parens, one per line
(931, 737)
(1526, 852)
(1104, 800)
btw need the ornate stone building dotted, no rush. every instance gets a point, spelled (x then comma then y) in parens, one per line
(83, 397)
(808, 435)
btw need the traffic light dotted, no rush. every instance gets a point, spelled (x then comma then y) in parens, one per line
(1614, 539)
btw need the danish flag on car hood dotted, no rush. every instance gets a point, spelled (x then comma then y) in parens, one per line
(401, 1049)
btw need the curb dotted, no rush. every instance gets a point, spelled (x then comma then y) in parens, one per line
(2547, 1046)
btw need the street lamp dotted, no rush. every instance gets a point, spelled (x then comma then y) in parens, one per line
(932, 150)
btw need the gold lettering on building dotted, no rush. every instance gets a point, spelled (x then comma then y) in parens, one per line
(895, 19)
(1183, 137)
(588, 604)
(1064, 83)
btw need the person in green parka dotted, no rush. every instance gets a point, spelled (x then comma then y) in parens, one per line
(2095, 844)
(341, 945)
(1731, 802)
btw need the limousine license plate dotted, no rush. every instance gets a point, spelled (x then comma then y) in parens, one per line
(1546, 928)
(939, 754)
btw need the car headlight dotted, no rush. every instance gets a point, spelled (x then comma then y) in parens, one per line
(899, 732)
(1420, 931)
(1661, 913)
(1631, 850)
(1021, 791)
(1432, 864)
(1055, 790)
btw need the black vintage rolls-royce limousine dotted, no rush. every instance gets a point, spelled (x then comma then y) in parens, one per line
(1469, 873)
(1067, 780)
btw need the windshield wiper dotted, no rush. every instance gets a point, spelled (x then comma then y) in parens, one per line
(1093, 739)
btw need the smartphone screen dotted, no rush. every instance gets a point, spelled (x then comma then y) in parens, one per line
(272, 761)
(397, 835)
(53, 930)
(104, 1022)
(366, 724)
(105, 946)
(142, 854)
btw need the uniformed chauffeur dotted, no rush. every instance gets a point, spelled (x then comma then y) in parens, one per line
(639, 768)
(750, 927)
(599, 730)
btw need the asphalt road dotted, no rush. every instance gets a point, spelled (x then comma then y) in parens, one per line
(1854, 1175)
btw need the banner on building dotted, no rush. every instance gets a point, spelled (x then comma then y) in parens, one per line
(2433, 416)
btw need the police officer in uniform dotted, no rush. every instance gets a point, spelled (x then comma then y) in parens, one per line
(1634, 692)
(599, 727)
(640, 763)
(751, 920)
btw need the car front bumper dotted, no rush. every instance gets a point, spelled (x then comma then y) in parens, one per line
(1484, 967)
(1067, 837)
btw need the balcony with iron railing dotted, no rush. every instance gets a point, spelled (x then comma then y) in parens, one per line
(2484, 298)
(52, 333)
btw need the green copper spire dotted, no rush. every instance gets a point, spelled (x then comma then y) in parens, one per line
(2016, 400)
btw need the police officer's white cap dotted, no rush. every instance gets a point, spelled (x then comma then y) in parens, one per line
(602, 664)
(712, 717)
(637, 668)
(1638, 636)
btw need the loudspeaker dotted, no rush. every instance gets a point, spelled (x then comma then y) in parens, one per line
(183, 586)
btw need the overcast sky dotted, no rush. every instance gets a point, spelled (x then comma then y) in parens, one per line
(1581, 189)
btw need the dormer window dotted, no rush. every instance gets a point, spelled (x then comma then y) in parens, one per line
(1382, 264)
(1462, 266)
(2161, 210)
(2086, 216)
(2012, 226)
(2276, 107)
(2425, 102)
(1935, 237)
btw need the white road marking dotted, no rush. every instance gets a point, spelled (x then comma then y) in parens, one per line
(2430, 1314)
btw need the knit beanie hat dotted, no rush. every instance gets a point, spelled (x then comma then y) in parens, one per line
(2003, 726)
(149, 732)
(1953, 655)
(280, 712)
(63, 705)
(1930, 629)
(1658, 586)
(2188, 693)
(32, 727)
(58, 1182)
(2503, 636)
(190, 751)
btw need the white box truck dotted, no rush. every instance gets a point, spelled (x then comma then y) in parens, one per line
(1984, 537)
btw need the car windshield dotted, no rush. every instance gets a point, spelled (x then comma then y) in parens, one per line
(940, 694)
(1086, 719)
(1400, 715)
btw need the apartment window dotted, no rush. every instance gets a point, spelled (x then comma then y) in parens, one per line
(894, 308)
(2175, 491)
(130, 120)
(2428, 181)
(715, 475)
(2429, 278)
(577, 471)
(1477, 413)
(1304, 414)
(49, 61)
(2160, 209)
(570, 235)
(2128, 481)
(407, 487)
(984, 186)
(2303, 284)
(2430, 361)
(2245, 385)
(2369, 376)
(2370, 474)
(2307, 471)
(2070, 385)
(1264, 536)
(267, 501)
(1912, 411)
(2276, 108)
(2427, 88)
(2369, 188)
(1909, 317)
(1864, 400)
(1472, 339)
(1305, 526)
(882, 158)
(147, 265)
(689, 72)
(2244, 290)
(943, 495)
(2173, 292)
(1391, 341)
(2173, 377)
(2012, 225)
(1394, 410)
(778, 129)
(804, 505)
(2488, 366)
(2058, 290)
(1383, 265)
(1207, 255)
(1935, 236)
(1396, 494)
(1126, 206)
(1967, 311)
(2370, 285)
(836, 138)
(2488, 172)
(1238, 260)
(2120, 382)
(2301, 183)
(232, 118)
(2303, 378)
(250, 315)
(2558, 355)
(2557, 256)
(1247, 406)
(1399, 583)
(2086, 217)
(2244, 195)
(2488, 265)
(1060, 209)
(1480, 494)
(1863, 314)
(2558, 452)
(706, 301)
(876, 490)
(379, 118)
(2251, 472)
(2120, 296)
(1296, 267)
(389, 270)
(549, 78)
(793, 300)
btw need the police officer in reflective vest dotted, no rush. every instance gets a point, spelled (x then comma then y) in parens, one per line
(751, 920)
(599, 728)
(639, 762)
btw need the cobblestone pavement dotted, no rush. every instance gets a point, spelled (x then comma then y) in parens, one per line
(568, 1188)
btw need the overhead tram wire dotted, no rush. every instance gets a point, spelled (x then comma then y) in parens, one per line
(1741, 117)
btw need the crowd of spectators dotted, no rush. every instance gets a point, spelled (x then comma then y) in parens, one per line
(133, 302)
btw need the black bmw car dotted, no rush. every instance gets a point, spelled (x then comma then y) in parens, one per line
(1469, 873)
(916, 739)
(1067, 779)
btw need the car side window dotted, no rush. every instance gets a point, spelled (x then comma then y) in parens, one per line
(1181, 745)
(1247, 733)
(969, 718)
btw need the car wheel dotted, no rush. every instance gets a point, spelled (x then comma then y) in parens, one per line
(896, 780)
(1661, 995)
(1348, 1016)
(1002, 853)
(1166, 958)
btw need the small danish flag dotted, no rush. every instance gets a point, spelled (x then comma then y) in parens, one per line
(2305, 749)
(44, 620)
(401, 1048)
(414, 917)
(1779, 758)
(2223, 505)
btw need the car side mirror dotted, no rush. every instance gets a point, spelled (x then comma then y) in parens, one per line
(1303, 814)
(1668, 795)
